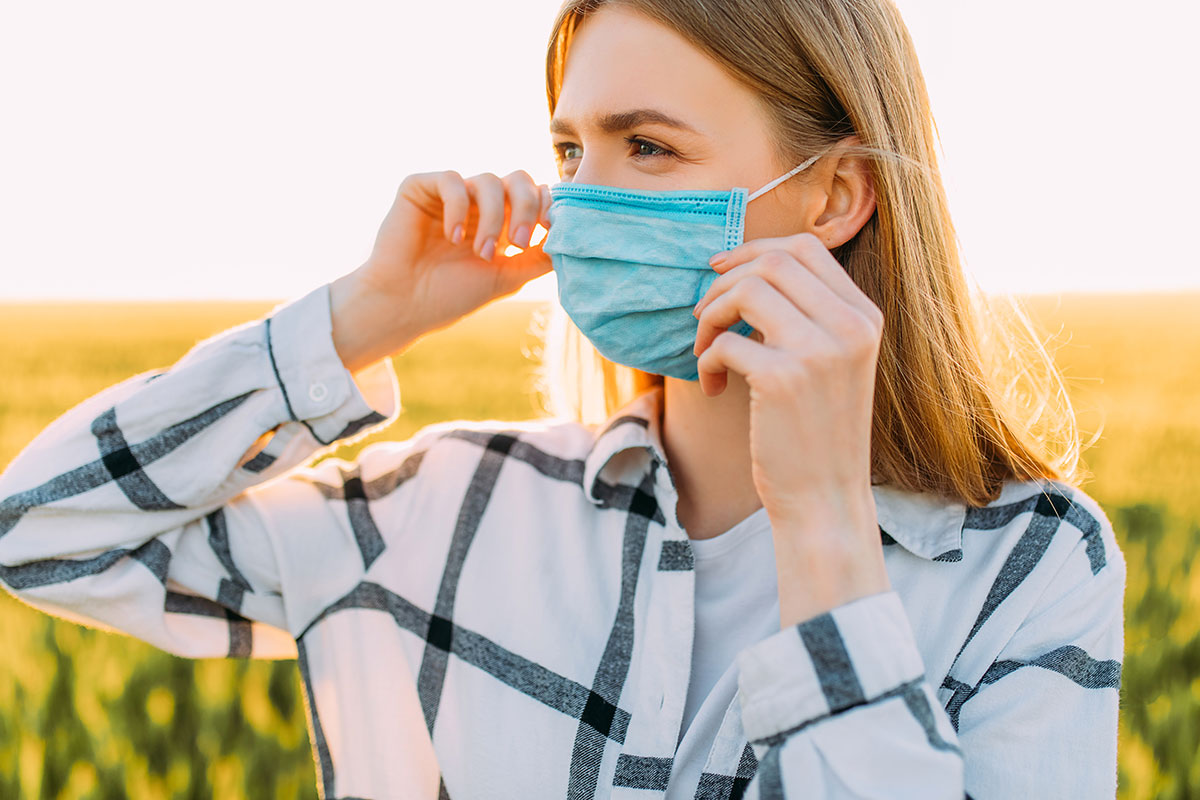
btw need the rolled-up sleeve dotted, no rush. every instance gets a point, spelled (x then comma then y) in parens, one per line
(840, 705)
(145, 509)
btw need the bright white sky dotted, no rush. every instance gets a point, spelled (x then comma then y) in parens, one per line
(250, 149)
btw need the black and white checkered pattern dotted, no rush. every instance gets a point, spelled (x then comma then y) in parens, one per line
(505, 610)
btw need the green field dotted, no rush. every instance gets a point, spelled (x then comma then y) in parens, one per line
(87, 714)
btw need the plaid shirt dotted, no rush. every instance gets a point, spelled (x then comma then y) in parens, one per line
(505, 610)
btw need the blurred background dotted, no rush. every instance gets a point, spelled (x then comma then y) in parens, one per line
(168, 170)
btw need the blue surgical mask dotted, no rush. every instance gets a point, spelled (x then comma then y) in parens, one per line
(632, 265)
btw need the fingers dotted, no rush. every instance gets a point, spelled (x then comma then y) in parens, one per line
(487, 193)
(729, 351)
(809, 250)
(455, 205)
(525, 203)
(762, 307)
(799, 317)
(544, 214)
(506, 209)
(772, 296)
(790, 277)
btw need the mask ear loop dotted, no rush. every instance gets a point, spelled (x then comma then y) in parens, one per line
(768, 187)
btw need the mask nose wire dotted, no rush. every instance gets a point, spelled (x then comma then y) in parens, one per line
(768, 187)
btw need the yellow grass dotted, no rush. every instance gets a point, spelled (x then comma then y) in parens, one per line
(88, 714)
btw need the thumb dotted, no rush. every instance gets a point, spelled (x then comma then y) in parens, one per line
(516, 270)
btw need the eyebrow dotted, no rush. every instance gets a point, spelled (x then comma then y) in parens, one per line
(617, 121)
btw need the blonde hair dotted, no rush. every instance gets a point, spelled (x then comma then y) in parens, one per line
(965, 397)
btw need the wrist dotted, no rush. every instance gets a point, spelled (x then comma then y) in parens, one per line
(367, 324)
(831, 556)
(833, 508)
(820, 590)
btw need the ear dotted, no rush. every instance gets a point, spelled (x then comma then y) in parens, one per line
(845, 196)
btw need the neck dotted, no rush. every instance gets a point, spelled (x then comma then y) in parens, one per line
(707, 443)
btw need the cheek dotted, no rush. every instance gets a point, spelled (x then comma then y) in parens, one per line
(769, 216)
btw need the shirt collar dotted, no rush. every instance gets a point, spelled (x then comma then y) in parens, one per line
(929, 526)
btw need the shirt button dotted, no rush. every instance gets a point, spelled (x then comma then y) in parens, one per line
(317, 392)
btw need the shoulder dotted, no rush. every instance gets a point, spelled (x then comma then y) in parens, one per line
(552, 446)
(557, 436)
(1044, 571)
(1047, 519)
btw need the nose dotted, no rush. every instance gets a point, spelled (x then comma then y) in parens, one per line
(589, 172)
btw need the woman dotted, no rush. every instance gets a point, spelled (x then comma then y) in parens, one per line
(808, 553)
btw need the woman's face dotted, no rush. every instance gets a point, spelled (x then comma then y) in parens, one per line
(642, 108)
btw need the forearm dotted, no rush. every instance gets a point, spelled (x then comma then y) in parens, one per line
(367, 324)
(828, 556)
(149, 480)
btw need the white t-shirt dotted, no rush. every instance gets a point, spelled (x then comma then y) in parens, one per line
(737, 602)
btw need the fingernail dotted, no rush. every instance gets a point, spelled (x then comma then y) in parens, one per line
(457, 235)
(718, 259)
(521, 237)
(696, 310)
(489, 249)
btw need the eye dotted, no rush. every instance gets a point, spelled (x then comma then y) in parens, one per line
(565, 151)
(647, 149)
(644, 149)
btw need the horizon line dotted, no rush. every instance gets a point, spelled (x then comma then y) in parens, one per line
(53, 300)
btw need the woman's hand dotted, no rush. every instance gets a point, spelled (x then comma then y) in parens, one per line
(438, 256)
(812, 381)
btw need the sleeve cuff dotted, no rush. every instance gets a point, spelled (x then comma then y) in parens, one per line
(843, 658)
(317, 388)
